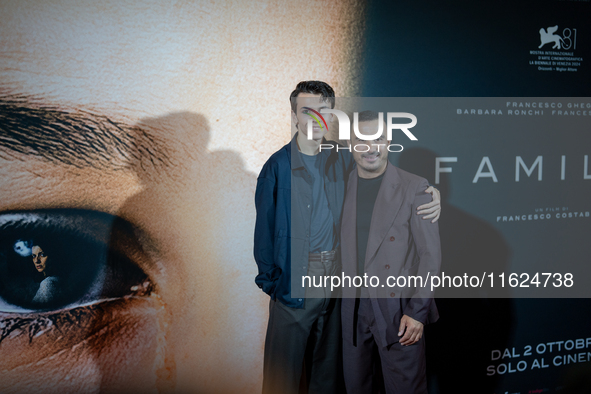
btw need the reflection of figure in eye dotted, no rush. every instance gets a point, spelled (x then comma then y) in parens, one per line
(48, 288)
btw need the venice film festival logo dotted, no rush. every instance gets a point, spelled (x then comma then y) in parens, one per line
(567, 40)
(345, 128)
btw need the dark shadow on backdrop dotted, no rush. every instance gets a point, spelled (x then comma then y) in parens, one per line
(222, 179)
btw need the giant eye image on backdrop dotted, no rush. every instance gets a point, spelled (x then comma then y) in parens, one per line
(55, 259)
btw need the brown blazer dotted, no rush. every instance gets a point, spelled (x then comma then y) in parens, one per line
(400, 243)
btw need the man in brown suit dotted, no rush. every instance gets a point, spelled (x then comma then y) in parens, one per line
(382, 237)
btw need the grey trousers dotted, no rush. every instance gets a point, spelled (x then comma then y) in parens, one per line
(403, 367)
(307, 338)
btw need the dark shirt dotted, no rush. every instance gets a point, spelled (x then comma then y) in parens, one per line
(321, 227)
(367, 192)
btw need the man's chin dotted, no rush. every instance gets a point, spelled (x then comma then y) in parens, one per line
(316, 136)
(372, 168)
(371, 162)
(367, 168)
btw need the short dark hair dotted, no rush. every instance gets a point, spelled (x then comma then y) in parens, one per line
(313, 87)
(368, 115)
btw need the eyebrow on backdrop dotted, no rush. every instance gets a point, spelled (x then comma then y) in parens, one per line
(79, 138)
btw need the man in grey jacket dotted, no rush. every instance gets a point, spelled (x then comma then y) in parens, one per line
(383, 238)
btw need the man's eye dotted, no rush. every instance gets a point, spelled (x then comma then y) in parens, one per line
(86, 260)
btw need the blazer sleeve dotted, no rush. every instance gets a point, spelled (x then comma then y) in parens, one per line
(266, 205)
(428, 246)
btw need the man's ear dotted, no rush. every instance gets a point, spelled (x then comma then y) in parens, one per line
(294, 119)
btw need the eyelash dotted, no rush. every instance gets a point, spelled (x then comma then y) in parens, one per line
(35, 324)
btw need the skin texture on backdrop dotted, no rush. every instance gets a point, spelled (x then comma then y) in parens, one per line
(140, 128)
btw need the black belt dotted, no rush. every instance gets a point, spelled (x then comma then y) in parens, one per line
(330, 255)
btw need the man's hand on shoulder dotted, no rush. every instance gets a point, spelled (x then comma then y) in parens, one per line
(432, 209)
(412, 330)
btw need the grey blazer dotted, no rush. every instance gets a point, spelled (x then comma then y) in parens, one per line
(400, 244)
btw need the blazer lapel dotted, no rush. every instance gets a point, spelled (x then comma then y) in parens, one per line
(349, 227)
(388, 203)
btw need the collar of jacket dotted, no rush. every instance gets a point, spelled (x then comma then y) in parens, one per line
(297, 162)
